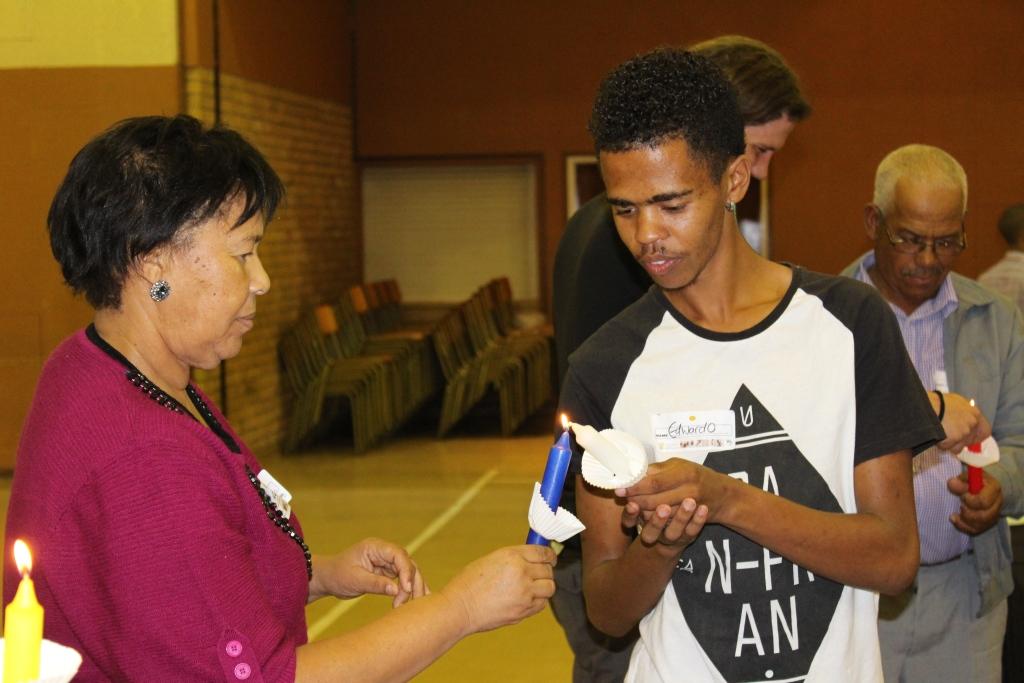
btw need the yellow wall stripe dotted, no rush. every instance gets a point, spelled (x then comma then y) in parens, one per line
(70, 33)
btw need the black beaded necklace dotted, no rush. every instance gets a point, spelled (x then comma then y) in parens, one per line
(137, 379)
(275, 515)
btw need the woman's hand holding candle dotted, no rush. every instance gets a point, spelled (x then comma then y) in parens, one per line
(23, 624)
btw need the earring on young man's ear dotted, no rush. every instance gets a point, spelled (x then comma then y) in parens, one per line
(730, 206)
(159, 291)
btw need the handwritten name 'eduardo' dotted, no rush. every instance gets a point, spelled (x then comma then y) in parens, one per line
(677, 429)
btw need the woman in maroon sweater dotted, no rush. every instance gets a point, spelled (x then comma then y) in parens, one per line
(162, 554)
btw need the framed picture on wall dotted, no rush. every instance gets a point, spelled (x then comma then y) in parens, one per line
(752, 217)
(583, 182)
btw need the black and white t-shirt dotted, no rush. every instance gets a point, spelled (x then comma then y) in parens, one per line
(820, 385)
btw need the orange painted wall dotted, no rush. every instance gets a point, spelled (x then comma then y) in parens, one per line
(451, 77)
(54, 112)
(50, 113)
(302, 46)
(511, 77)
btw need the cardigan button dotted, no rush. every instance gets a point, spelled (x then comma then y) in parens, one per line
(233, 648)
(242, 671)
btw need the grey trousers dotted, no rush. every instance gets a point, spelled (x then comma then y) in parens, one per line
(930, 633)
(1013, 643)
(598, 658)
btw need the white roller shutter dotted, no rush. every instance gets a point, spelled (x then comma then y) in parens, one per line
(442, 231)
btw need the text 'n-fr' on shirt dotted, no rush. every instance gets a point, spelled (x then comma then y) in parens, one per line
(922, 333)
(822, 384)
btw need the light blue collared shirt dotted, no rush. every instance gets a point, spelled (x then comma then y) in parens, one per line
(922, 334)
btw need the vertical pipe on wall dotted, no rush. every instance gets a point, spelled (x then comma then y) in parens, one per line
(353, 85)
(216, 121)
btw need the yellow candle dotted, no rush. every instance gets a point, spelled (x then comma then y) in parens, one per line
(23, 624)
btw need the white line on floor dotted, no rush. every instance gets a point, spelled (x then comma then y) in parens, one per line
(342, 606)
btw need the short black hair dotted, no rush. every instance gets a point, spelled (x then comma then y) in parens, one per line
(766, 87)
(1011, 225)
(139, 184)
(669, 94)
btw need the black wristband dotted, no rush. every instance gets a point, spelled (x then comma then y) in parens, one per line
(942, 404)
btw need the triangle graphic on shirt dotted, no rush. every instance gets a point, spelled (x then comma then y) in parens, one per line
(757, 616)
(751, 416)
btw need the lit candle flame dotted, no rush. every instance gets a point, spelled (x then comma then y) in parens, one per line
(565, 421)
(22, 557)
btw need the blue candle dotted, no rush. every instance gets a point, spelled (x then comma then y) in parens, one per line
(554, 480)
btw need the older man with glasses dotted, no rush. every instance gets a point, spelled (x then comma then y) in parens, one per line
(967, 345)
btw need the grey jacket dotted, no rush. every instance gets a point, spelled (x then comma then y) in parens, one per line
(983, 349)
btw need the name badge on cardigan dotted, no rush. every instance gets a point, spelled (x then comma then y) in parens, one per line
(281, 496)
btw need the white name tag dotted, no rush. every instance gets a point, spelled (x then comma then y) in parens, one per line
(701, 430)
(280, 495)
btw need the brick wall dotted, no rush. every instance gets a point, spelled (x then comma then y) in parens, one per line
(312, 250)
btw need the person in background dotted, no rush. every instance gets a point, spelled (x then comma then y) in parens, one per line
(762, 547)
(1007, 278)
(162, 551)
(596, 277)
(967, 343)
(1007, 275)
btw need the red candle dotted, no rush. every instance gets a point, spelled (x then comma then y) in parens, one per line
(975, 480)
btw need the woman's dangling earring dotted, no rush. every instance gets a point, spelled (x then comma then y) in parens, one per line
(730, 206)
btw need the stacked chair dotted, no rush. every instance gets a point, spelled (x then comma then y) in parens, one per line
(358, 359)
(379, 328)
(329, 360)
(532, 344)
(466, 376)
(320, 375)
(479, 348)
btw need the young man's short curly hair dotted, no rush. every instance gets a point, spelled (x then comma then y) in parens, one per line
(669, 94)
(142, 184)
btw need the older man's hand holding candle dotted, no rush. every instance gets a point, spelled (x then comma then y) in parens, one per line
(981, 494)
(963, 423)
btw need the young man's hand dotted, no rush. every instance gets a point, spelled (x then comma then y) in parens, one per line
(674, 527)
(675, 480)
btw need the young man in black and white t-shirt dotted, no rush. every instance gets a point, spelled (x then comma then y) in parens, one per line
(779, 404)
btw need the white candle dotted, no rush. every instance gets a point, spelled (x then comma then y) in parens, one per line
(607, 453)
